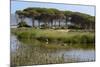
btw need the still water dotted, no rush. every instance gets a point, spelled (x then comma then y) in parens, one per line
(33, 52)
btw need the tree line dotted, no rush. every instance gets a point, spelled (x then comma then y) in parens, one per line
(52, 16)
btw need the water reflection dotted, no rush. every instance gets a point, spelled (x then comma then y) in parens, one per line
(29, 52)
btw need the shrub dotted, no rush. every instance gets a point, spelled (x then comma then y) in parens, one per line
(52, 35)
(74, 27)
(23, 24)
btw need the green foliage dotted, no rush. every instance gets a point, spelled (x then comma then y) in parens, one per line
(52, 35)
(74, 27)
(23, 24)
(45, 15)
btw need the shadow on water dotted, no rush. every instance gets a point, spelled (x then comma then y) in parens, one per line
(34, 52)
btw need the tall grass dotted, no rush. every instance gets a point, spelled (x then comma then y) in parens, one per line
(53, 35)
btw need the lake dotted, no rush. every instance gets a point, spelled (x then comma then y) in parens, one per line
(34, 52)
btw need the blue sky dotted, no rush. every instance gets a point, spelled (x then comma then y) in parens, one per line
(19, 5)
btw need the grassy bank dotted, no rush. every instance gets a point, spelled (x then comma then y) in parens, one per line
(54, 35)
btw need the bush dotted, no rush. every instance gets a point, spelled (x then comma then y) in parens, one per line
(52, 35)
(74, 27)
(23, 24)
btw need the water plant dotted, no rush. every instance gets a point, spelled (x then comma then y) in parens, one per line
(54, 35)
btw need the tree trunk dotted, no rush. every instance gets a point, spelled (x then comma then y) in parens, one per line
(51, 23)
(32, 22)
(55, 24)
(16, 18)
(22, 18)
(59, 23)
(39, 23)
(66, 23)
(45, 24)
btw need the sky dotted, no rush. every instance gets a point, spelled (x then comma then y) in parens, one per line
(20, 5)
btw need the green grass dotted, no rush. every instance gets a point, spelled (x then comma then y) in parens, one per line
(54, 35)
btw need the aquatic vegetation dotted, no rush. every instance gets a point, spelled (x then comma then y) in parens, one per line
(32, 51)
(54, 35)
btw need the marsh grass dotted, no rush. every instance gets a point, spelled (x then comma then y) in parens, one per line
(32, 51)
(56, 45)
(53, 35)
